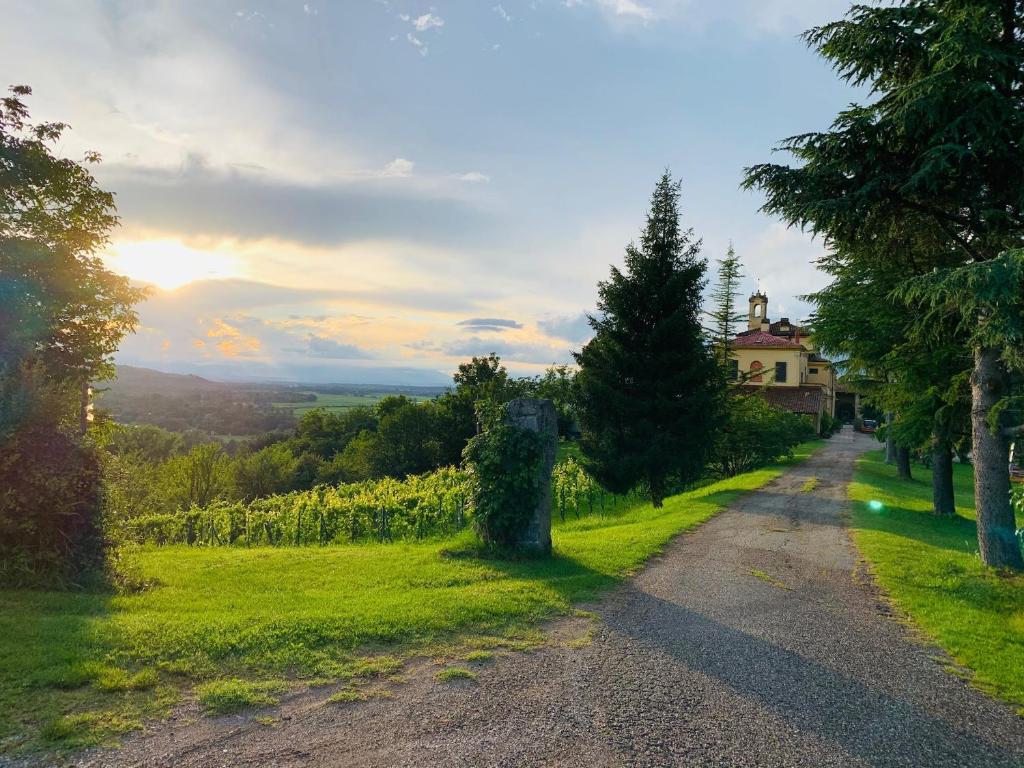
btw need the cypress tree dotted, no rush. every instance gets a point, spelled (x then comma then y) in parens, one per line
(649, 386)
(725, 316)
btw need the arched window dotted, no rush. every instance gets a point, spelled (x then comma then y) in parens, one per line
(757, 310)
(756, 366)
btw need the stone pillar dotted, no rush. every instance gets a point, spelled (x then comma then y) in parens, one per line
(538, 416)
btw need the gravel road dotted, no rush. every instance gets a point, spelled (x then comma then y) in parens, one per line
(754, 641)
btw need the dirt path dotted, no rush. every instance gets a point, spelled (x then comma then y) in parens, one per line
(753, 641)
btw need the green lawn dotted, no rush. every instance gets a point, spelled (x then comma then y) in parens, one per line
(229, 625)
(931, 569)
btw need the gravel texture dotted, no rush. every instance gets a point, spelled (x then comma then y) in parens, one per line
(754, 641)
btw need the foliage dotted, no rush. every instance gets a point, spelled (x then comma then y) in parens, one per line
(49, 506)
(263, 613)
(755, 433)
(937, 148)
(506, 466)
(62, 314)
(725, 316)
(60, 308)
(225, 411)
(145, 442)
(829, 425)
(383, 510)
(264, 472)
(196, 478)
(576, 492)
(649, 387)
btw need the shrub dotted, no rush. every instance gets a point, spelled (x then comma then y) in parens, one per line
(507, 481)
(829, 425)
(50, 503)
(756, 433)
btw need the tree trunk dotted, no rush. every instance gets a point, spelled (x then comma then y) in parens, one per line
(942, 478)
(657, 492)
(890, 444)
(903, 463)
(996, 540)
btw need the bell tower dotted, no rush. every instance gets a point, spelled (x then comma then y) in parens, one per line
(758, 311)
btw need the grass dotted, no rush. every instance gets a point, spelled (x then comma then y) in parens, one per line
(767, 578)
(809, 485)
(224, 697)
(220, 619)
(931, 570)
(479, 656)
(450, 674)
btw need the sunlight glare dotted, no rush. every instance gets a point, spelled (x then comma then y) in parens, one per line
(169, 263)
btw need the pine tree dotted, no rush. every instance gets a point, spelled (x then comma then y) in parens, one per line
(650, 389)
(724, 317)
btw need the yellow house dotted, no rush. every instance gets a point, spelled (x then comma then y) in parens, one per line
(780, 359)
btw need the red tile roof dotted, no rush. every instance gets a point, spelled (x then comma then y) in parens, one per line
(762, 339)
(794, 399)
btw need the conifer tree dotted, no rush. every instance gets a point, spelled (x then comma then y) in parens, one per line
(649, 386)
(939, 141)
(724, 316)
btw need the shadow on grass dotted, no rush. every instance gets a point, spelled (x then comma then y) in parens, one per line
(953, 533)
(52, 670)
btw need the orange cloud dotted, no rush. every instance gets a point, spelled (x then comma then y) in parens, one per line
(232, 341)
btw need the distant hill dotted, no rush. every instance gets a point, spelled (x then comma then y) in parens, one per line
(146, 380)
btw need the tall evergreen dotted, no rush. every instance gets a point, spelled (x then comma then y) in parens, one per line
(939, 141)
(650, 389)
(725, 316)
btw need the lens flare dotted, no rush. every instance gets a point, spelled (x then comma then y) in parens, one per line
(875, 506)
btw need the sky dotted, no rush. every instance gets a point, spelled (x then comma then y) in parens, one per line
(371, 191)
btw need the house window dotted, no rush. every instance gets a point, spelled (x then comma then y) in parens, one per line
(734, 370)
(755, 368)
(813, 371)
(780, 371)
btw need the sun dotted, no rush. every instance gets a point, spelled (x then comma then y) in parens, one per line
(169, 263)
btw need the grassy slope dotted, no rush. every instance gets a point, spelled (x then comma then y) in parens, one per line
(930, 568)
(269, 613)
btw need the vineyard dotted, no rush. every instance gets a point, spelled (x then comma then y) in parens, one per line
(431, 505)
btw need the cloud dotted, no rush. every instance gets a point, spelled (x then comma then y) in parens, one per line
(474, 177)
(417, 43)
(399, 167)
(232, 342)
(320, 346)
(781, 261)
(502, 12)
(751, 17)
(427, 21)
(489, 323)
(248, 204)
(574, 328)
(519, 351)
